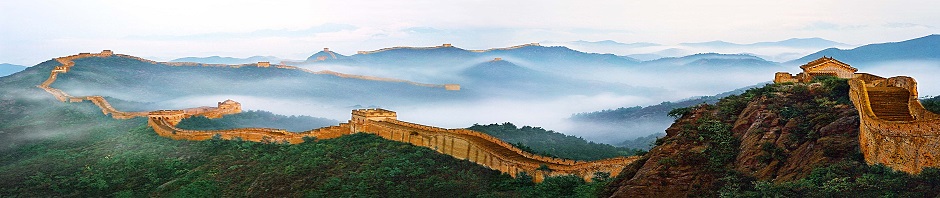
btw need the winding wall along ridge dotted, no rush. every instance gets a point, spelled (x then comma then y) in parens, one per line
(477, 147)
(905, 145)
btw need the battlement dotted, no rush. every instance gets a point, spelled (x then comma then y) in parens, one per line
(230, 104)
(497, 59)
(264, 64)
(160, 113)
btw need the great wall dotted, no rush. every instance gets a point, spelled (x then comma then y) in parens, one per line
(895, 129)
(465, 144)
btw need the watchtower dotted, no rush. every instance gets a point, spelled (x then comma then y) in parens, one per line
(106, 53)
(361, 116)
(452, 87)
(264, 64)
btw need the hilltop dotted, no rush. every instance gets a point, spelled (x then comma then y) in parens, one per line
(794, 140)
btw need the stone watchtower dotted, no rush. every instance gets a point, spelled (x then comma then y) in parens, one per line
(825, 66)
(106, 53)
(361, 116)
(225, 108)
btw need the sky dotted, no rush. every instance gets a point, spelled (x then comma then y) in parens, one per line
(35, 31)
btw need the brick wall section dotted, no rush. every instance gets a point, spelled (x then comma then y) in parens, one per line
(907, 146)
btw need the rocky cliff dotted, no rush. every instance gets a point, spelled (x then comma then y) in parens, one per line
(777, 133)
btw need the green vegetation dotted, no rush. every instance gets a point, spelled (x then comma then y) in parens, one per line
(56, 149)
(93, 155)
(811, 107)
(931, 103)
(847, 179)
(262, 119)
(550, 143)
(641, 143)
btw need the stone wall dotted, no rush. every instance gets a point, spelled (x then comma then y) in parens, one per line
(907, 146)
(466, 144)
(490, 151)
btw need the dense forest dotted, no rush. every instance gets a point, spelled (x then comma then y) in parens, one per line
(257, 118)
(94, 155)
(550, 143)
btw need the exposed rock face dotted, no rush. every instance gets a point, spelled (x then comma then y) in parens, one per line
(771, 144)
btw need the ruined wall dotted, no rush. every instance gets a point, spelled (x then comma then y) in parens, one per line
(907, 146)
(784, 77)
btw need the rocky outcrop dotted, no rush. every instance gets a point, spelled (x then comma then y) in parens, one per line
(769, 143)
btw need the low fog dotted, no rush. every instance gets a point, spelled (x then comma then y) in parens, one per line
(924, 72)
(627, 86)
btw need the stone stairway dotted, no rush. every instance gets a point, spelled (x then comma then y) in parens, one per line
(890, 103)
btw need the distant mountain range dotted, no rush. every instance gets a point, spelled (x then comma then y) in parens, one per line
(228, 60)
(923, 48)
(707, 59)
(778, 51)
(789, 43)
(7, 69)
(610, 43)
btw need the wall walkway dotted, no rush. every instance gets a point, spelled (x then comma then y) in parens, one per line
(895, 129)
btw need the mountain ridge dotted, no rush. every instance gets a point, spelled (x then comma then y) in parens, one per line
(921, 48)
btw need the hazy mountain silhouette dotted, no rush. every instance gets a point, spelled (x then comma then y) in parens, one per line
(131, 79)
(228, 60)
(801, 43)
(713, 59)
(506, 78)
(923, 48)
(324, 55)
(7, 69)
(611, 43)
(790, 43)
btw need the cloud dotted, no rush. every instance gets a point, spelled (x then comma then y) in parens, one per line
(308, 32)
